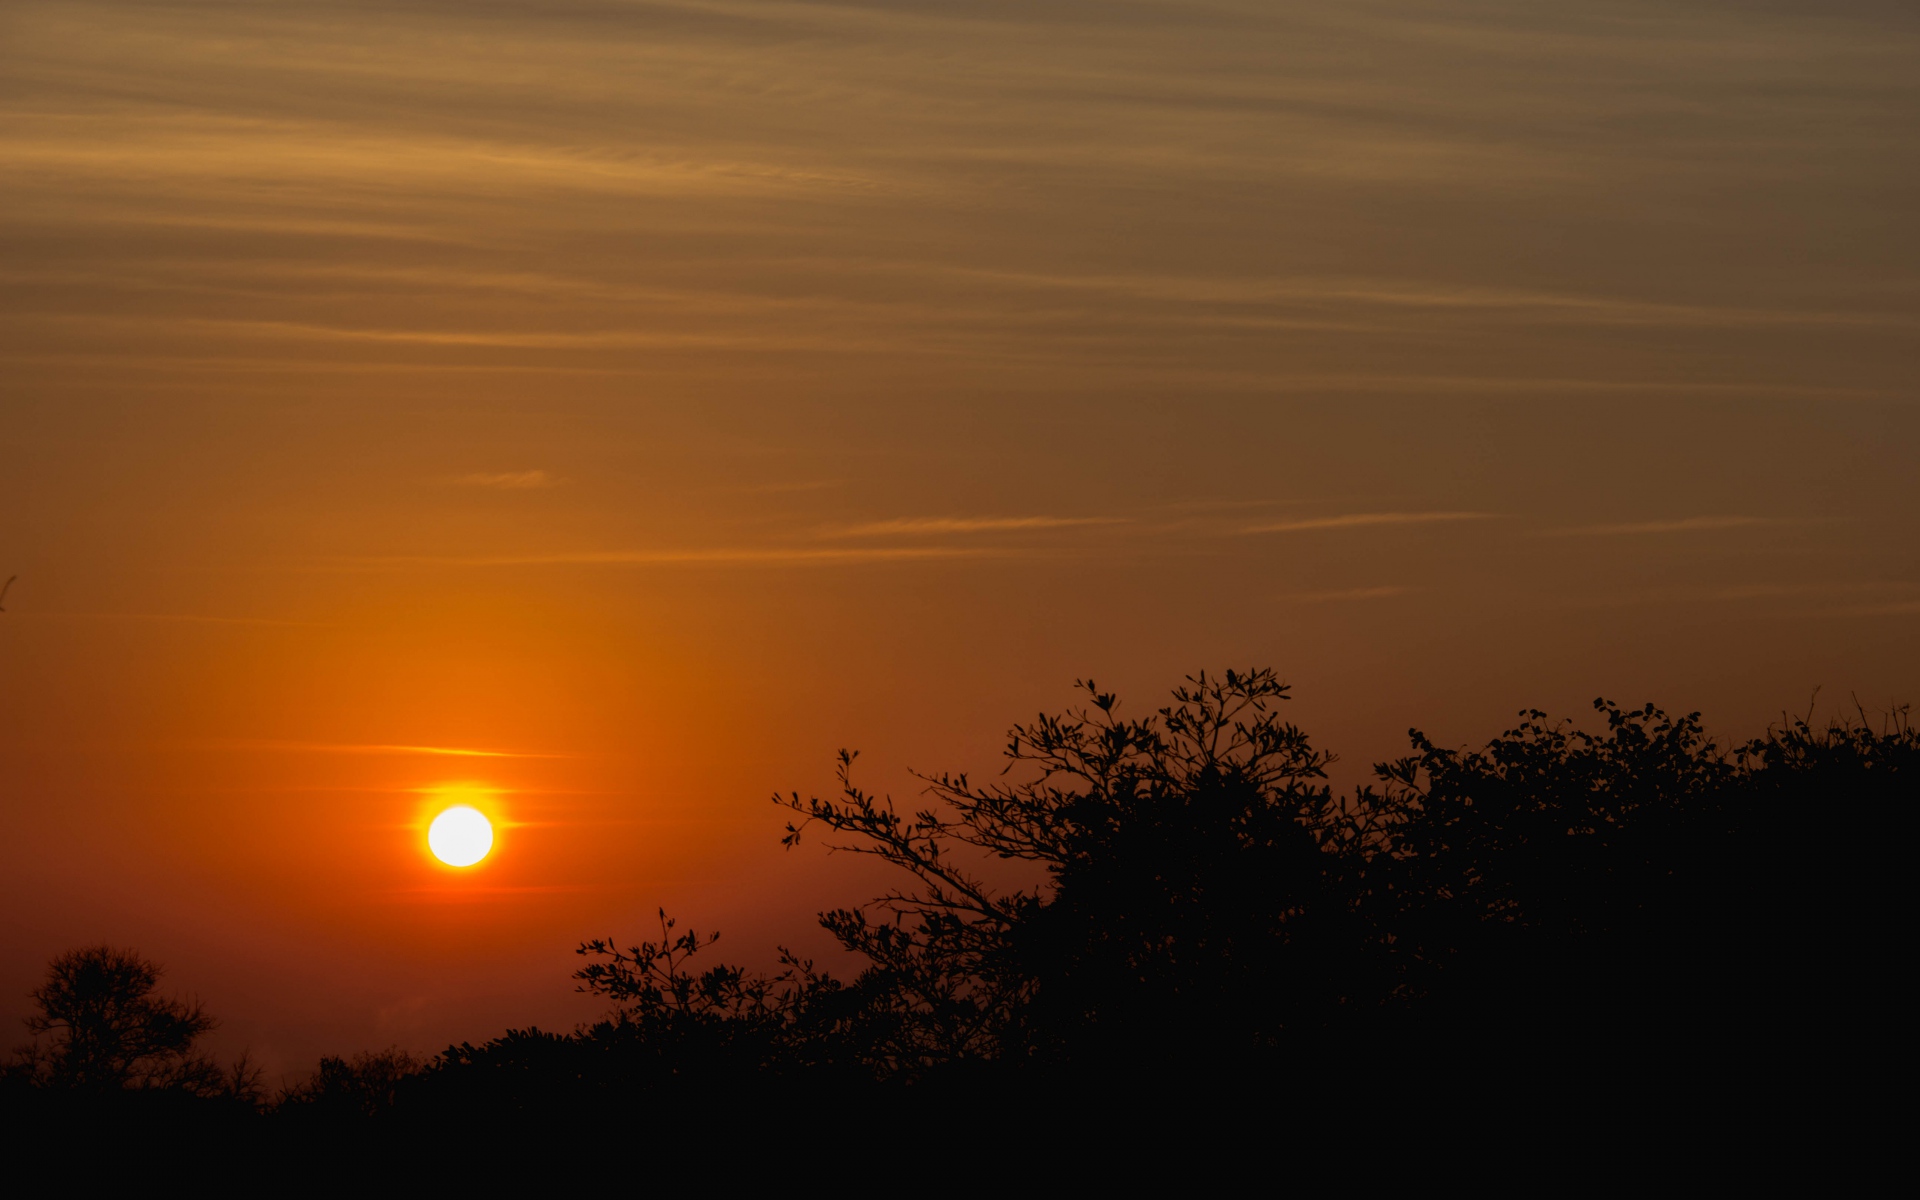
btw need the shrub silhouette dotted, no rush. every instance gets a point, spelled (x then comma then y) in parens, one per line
(1182, 899)
(364, 1085)
(1204, 897)
(1186, 905)
(1184, 892)
(1633, 895)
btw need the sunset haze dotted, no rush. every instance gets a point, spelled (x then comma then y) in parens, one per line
(598, 414)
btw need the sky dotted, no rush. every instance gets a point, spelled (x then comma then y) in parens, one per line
(607, 410)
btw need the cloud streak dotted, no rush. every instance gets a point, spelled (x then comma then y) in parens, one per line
(1873, 596)
(1338, 595)
(1899, 608)
(508, 480)
(374, 748)
(1676, 525)
(920, 526)
(1366, 520)
(650, 182)
(171, 618)
(718, 557)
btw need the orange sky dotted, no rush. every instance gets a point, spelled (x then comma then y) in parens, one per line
(661, 396)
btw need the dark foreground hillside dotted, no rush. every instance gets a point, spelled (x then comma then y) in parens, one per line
(1636, 925)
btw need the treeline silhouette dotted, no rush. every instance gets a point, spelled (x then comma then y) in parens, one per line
(1638, 909)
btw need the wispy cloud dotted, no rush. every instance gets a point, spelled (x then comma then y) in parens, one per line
(1873, 598)
(1897, 608)
(1771, 591)
(1361, 520)
(920, 526)
(1338, 595)
(722, 557)
(379, 748)
(804, 485)
(1413, 294)
(467, 894)
(507, 480)
(170, 618)
(1677, 525)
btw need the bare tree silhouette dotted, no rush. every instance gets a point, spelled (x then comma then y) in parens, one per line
(100, 1026)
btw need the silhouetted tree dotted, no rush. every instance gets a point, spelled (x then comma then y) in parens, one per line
(1184, 902)
(1185, 892)
(99, 1026)
(364, 1085)
(1641, 894)
(1548, 836)
(1185, 907)
(720, 1019)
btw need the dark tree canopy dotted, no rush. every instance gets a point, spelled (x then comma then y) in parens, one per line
(1181, 897)
(1197, 894)
(364, 1085)
(100, 1025)
(1184, 900)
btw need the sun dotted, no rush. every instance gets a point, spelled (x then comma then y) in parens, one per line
(460, 836)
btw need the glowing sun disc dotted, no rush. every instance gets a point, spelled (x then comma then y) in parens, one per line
(460, 836)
